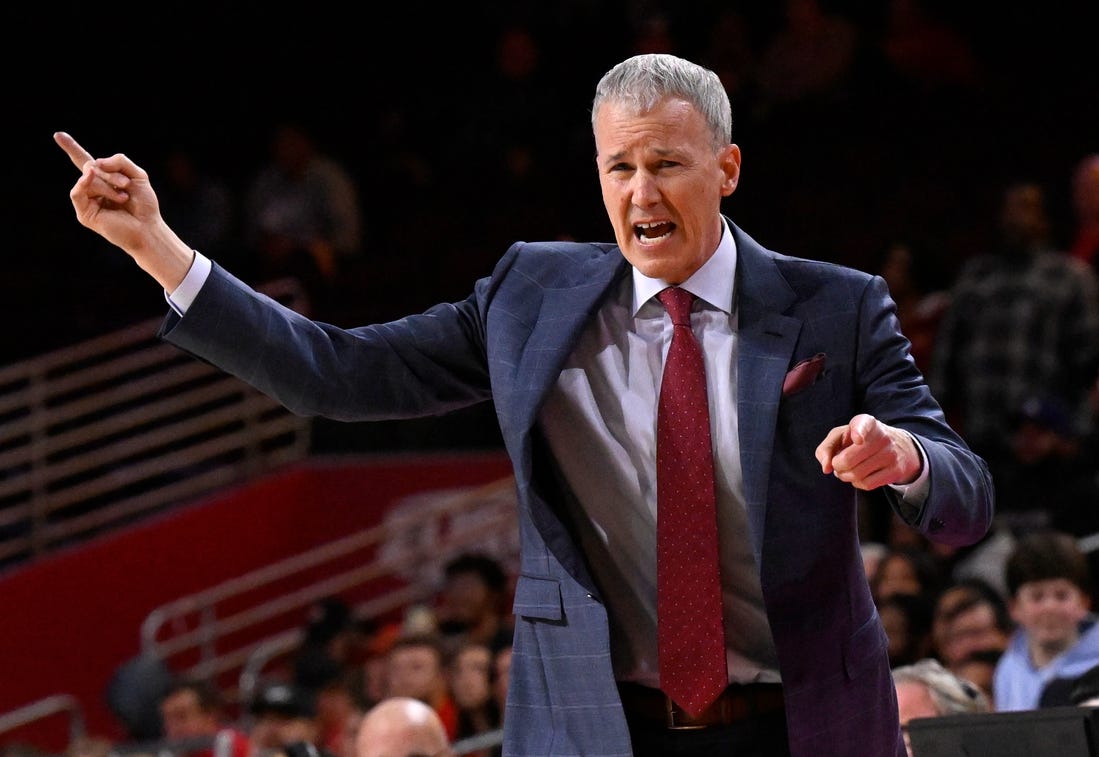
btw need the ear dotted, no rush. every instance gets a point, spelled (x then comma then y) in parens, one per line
(729, 160)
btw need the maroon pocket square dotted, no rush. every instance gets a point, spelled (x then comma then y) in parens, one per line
(803, 374)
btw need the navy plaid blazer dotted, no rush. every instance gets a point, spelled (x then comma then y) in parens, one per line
(508, 341)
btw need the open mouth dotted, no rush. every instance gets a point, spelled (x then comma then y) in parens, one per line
(651, 233)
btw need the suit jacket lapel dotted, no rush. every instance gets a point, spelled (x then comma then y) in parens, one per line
(563, 313)
(766, 340)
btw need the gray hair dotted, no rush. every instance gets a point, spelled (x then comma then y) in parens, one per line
(645, 80)
(951, 694)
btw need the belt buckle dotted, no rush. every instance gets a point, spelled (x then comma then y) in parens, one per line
(675, 717)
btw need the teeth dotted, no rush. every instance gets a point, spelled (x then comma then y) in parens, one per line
(641, 228)
(653, 240)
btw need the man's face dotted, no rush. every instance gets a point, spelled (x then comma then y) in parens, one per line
(415, 672)
(183, 718)
(465, 601)
(913, 701)
(663, 183)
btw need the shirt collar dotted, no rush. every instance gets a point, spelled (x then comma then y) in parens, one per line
(713, 282)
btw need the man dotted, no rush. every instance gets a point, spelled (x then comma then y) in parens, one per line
(925, 689)
(470, 607)
(284, 722)
(1023, 321)
(402, 727)
(815, 402)
(416, 667)
(191, 713)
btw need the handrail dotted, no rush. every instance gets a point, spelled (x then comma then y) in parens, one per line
(44, 708)
(122, 425)
(227, 627)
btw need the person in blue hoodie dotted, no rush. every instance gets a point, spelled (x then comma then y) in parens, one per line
(1056, 634)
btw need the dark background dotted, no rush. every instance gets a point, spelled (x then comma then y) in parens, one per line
(838, 180)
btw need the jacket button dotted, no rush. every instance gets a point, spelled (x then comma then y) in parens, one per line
(936, 525)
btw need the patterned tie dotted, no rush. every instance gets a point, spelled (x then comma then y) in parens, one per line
(691, 632)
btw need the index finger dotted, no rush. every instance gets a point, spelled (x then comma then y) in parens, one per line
(77, 154)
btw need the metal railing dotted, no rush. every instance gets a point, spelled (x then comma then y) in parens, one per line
(220, 630)
(96, 435)
(406, 552)
(100, 434)
(58, 704)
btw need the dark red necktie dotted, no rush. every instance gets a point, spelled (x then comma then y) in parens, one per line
(690, 626)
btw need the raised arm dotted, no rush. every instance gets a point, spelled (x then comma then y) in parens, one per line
(113, 198)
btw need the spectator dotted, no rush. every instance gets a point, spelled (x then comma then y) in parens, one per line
(285, 720)
(375, 662)
(1057, 636)
(338, 704)
(417, 668)
(333, 642)
(969, 617)
(907, 622)
(402, 727)
(193, 716)
(906, 570)
(471, 605)
(925, 689)
(302, 213)
(470, 679)
(1023, 321)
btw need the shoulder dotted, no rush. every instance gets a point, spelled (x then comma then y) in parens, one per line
(542, 258)
(799, 271)
(562, 249)
(808, 269)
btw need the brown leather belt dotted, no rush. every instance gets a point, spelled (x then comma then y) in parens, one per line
(737, 703)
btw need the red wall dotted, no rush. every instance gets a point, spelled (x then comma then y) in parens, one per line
(69, 621)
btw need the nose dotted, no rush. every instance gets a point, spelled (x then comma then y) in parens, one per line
(644, 190)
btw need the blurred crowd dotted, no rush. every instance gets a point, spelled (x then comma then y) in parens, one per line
(917, 169)
(861, 124)
(451, 654)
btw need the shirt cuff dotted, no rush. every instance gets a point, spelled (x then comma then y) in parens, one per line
(916, 492)
(183, 295)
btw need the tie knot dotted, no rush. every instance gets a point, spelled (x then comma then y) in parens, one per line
(678, 304)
